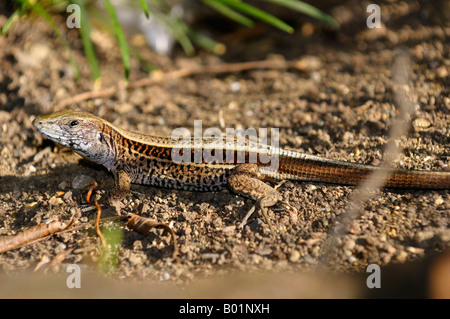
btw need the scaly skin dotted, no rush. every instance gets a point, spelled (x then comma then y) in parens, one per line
(239, 164)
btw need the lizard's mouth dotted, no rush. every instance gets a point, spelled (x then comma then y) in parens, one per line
(50, 131)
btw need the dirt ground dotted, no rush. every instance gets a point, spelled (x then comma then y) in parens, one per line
(340, 106)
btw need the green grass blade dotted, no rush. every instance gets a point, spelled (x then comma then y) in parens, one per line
(85, 32)
(9, 22)
(259, 14)
(120, 37)
(109, 257)
(178, 29)
(229, 13)
(306, 9)
(145, 8)
(207, 42)
(41, 11)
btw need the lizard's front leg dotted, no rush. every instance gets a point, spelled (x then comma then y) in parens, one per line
(245, 180)
(120, 191)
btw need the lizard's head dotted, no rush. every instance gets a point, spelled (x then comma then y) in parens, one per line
(80, 131)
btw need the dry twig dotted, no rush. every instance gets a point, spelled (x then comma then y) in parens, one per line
(304, 64)
(31, 234)
(143, 226)
(86, 96)
(378, 178)
(92, 186)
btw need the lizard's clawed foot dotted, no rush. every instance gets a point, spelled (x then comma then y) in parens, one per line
(263, 211)
(120, 191)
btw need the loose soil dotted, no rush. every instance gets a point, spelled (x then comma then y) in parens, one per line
(340, 106)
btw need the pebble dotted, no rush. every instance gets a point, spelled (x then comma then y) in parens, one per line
(424, 236)
(124, 108)
(31, 205)
(235, 86)
(164, 276)
(439, 200)
(256, 259)
(212, 256)
(315, 77)
(41, 154)
(229, 230)
(420, 123)
(135, 259)
(293, 217)
(137, 245)
(81, 181)
(350, 244)
(31, 169)
(415, 250)
(34, 56)
(445, 236)
(294, 257)
(401, 257)
(442, 71)
(63, 185)
(55, 201)
(184, 249)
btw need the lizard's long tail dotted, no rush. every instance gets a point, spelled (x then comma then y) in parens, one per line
(298, 166)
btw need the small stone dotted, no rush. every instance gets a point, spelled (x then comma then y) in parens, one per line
(415, 250)
(439, 200)
(34, 56)
(68, 195)
(391, 249)
(31, 205)
(55, 201)
(137, 245)
(233, 105)
(212, 256)
(31, 169)
(124, 108)
(402, 255)
(442, 71)
(81, 181)
(316, 77)
(347, 253)
(294, 257)
(293, 217)
(445, 235)
(63, 185)
(135, 259)
(229, 230)
(164, 276)
(184, 249)
(350, 244)
(421, 123)
(235, 86)
(41, 154)
(256, 259)
(424, 236)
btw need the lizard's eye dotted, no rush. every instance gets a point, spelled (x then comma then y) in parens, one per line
(73, 123)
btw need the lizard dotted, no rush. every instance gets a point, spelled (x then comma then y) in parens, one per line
(241, 166)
